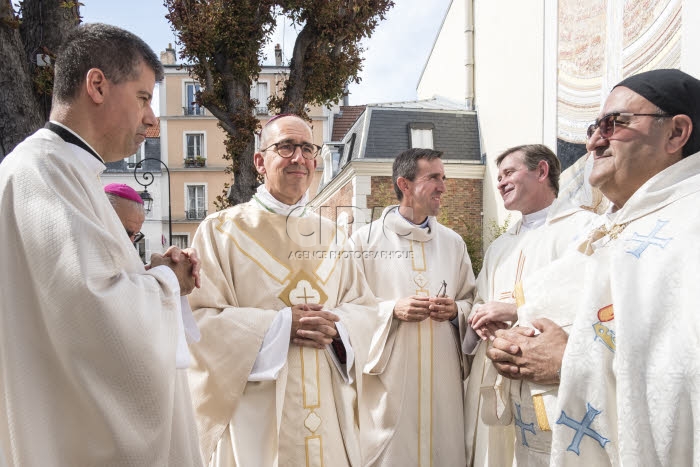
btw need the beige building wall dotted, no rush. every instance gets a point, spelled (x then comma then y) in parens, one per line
(176, 124)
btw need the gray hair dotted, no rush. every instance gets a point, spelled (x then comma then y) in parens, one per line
(118, 53)
(406, 165)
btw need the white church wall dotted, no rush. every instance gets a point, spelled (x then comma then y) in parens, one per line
(444, 73)
(509, 76)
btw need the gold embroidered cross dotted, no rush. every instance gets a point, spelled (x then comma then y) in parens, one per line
(305, 297)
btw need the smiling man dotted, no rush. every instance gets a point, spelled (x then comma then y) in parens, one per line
(528, 180)
(421, 273)
(90, 339)
(285, 320)
(629, 374)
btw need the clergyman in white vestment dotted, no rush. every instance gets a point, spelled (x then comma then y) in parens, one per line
(528, 179)
(629, 379)
(421, 273)
(285, 318)
(90, 373)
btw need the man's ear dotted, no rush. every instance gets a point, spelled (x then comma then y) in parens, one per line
(402, 184)
(542, 170)
(259, 161)
(96, 85)
(680, 133)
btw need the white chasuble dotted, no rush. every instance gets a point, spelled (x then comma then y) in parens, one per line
(630, 376)
(88, 337)
(494, 435)
(255, 263)
(414, 376)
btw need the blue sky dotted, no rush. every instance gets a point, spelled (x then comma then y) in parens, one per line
(394, 57)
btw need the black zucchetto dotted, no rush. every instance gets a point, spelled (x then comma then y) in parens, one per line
(674, 92)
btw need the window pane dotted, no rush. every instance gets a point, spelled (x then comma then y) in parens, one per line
(191, 90)
(180, 241)
(194, 145)
(421, 138)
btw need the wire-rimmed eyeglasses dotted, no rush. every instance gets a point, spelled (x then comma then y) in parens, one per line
(606, 123)
(286, 149)
(135, 237)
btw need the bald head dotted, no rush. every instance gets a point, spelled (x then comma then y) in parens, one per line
(287, 175)
(271, 128)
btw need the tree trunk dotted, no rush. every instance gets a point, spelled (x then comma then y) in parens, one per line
(45, 25)
(19, 112)
(245, 177)
(25, 88)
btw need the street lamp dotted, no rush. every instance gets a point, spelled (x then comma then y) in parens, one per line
(146, 196)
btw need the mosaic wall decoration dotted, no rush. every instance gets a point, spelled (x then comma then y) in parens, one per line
(600, 43)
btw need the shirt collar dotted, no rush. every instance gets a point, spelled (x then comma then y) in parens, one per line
(272, 204)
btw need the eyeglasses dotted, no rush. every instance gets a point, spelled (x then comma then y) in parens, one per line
(607, 123)
(308, 151)
(135, 237)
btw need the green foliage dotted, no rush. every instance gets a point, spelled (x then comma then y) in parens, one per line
(473, 238)
(222, 43)
(496, 229)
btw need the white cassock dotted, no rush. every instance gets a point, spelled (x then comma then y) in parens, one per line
(532, 243)
(415, 371)
(261, 400)
(88, 337)
(629, 393)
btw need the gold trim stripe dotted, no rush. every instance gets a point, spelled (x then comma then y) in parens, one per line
(257, 253)
(335, 250)
(310, 379)
(418, 260)
(425, 396)
(540, 412)
(314, 451)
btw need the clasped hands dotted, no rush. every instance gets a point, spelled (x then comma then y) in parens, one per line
(312, 326)
(417, 308)
(184, 263)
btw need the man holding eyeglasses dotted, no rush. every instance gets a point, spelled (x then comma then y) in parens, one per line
(285, 321)
(628, 393)
(421, 273)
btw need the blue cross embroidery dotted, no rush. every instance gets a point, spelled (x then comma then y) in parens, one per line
(582, 428)
(646, 240)
(523, 426)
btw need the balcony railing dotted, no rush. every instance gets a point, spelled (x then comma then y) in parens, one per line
(195, 214)
(194, 110)
(261, 110)
(195, 162)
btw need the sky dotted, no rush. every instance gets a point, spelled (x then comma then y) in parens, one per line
(394, 56)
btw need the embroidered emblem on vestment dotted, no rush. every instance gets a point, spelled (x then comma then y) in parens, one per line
(602, 332)
(303, 289)
(605, 334)
(648, 240)
(582, 428)
(523, 426)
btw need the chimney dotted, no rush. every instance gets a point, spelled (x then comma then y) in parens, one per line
(278, 55)
(168, 57)
(346, 95)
